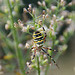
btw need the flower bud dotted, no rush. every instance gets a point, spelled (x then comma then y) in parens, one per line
(68, 21)
(54, 17)
(56, 42)
(53, 8)
(43, 12)
(39, 3)
(48, 10)
(70, 4)
(33, 66)
(33, 11)
(20, 45)
(47, 16)
(43, 3)
(62, 3)
(29, 10)
(62, 17)
(43, 17)
(25, 10)
(40, 22)
(27, 45)
(30, 6)
(7, 26)
(15, 25)
(16, 8)
(24, 29)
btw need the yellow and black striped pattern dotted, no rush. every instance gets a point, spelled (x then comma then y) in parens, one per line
(38, 38)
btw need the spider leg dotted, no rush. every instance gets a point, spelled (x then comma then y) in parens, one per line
(32, 59)
(50, 49)
(51, 58)
(33, 55)
(45, 34)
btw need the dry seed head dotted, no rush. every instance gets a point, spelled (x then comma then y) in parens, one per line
(43, 3)
(29, 10)
(7, 26)
(43, 12)
(39, 3)
(15, 25)
(70, 4)
(47, 16)
(21, 25)
(25, 10)
(27, 45)
(24, 29)
(54, 17)
(40, 22)
(51, 27)
(43, 16)
(68, 21)
(64, 13)
(19, 21)
(48, 10)
(62, 2)
(30, 6)
(33, 10)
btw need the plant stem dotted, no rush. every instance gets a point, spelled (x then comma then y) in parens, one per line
(38, 65)
(15, 36)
